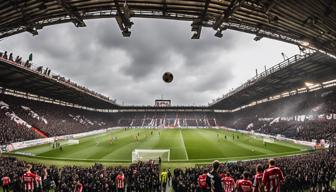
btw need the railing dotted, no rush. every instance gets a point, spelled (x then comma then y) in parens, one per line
(264, 74)
(58, 78)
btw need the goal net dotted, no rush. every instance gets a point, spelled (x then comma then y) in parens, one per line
(268, 140)
(150, 154)
(72, 142)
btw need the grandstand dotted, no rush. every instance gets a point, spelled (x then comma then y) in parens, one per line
(77, 139)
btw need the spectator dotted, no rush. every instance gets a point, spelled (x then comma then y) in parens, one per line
(5, 56)
(120, 181)
(79, 186)
(201, 181)
(228, 183)
(244, 185)
(5, 183)
(11, 57)
(163, 179)
(213, 179)
(257, 181)
(272, 177)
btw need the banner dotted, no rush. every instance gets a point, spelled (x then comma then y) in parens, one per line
(12, 116)
(34, 115)
(31, 143)
(301, 118)
(84, 121)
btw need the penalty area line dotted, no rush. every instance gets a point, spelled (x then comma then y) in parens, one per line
(185, 149)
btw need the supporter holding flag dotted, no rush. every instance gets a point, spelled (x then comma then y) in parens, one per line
(257, 181)
(213, 179)
(120, 182)
(244, 185)
(6, 181)
(228, 183)
(201, 180)
(163, 179)
(28, 179)
(272, 177)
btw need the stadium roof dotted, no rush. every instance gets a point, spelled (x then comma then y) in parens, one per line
(306, 22)
(20, 78)
(288, 75)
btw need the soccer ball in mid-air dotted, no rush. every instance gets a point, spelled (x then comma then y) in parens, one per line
(167, 77)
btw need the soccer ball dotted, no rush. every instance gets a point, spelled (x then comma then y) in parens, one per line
(167, 77)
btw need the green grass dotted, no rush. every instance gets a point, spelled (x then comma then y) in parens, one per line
(187, 147)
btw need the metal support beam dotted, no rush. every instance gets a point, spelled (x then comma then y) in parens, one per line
(123, 18)
(234, 5)
(196, 25)
(27, 25)
(270, 5)
(164, 7)
(74, 15)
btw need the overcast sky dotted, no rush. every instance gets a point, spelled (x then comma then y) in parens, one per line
(130, 69)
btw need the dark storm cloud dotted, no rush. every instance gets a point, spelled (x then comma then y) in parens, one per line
(130, 69)
(152, 42)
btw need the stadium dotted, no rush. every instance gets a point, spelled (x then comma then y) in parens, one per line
(59, 134)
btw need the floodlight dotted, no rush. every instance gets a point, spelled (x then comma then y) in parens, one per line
(196, 36)
(305, 43)
(219, 34)
(309, 84)
(257, 37)
(126, 33)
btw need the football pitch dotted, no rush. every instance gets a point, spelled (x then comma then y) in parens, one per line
(186, 145)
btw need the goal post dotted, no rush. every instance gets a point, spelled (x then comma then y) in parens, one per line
(150, 154)
(268, 140)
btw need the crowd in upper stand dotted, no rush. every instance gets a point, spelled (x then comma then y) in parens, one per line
(47, 72)
(304, 117)
(273, 118)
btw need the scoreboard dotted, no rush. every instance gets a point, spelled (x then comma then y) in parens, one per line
(162, 103)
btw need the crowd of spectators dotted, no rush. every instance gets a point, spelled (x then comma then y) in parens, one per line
(139, 177)
(305, 117)
(56, 120)
(47, 72)
(51, 119)
(167, 119)
(12, 132)
(310, 172)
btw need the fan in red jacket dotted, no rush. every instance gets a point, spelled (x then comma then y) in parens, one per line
(244, 185)
(28, 179)
(79, 186)
(5, 183)
(120, 182)
(228, 183)
(201, 180)
(257, 181)
(272, 177)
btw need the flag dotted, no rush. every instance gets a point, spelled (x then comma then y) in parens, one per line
(30, 57)
(250, 126)
(276, 120)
